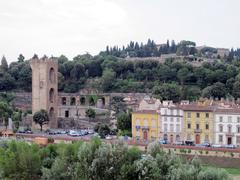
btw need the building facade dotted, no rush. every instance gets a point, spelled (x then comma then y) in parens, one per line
(198, 123)
(172, 123)
(227, 126)
(146, 125)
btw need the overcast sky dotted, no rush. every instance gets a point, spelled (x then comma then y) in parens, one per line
(72, 27)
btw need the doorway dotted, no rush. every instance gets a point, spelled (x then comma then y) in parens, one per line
(197, 139)
(171, 138)
(229, 140)
(145, 135)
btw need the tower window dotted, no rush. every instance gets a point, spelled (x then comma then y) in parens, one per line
(64, 101)
(52, 77)
(66, 113)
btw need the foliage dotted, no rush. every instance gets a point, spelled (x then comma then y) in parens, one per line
(124, 121)
(41, 117)
(98, 160)
(90, 113)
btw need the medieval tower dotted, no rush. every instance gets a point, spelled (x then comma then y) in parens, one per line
(45, 87)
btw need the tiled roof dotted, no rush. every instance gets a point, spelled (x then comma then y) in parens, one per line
(196, 107)
(228, 110)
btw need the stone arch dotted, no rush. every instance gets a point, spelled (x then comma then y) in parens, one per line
(82, 100)
(92, 101)
(52, 76)
(73, 101)
(51, 95)
(165, 137)
(64, 101)
(51, 112)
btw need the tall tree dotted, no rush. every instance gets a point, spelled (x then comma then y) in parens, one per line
(4, 64)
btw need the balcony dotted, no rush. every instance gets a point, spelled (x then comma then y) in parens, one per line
(197, 130)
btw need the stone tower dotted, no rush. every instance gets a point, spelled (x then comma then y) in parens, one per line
(45, 87)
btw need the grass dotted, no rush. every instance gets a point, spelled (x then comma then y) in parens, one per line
(232, 171)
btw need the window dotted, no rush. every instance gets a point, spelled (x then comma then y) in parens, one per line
(207, 115)
(238, 119)
(67, 114)
(165, 119)
(189, 125)
(206, 138)
(64, 101)
(145, 122)
(197, 126)
(220, 119)
(229, 129)
(171, 127)
(207, 126)
(171, 119)
(73, 101)
(178, 112)
(165, 128)
(171, 111)
(178, 128)
(165, 111)
(178, 120)
(238, 139)
(238, 129)
(220, 138)
(138, 122)
(189, 115)
(220, 128)
(229, 119)
(153, 123)
(198, 115)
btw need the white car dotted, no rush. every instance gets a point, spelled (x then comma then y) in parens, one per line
(216, 145)
(73, 133)
(108, 137)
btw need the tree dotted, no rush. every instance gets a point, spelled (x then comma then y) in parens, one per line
(90, 113)
(167, 92)
(124, 121)
(4, 64)
(21, 58)
(41, 117)
(236, 90)
(5, 113)
(107, 79)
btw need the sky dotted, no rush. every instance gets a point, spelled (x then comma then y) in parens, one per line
(72, 27)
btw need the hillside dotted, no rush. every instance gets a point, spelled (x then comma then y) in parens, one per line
(169, 71)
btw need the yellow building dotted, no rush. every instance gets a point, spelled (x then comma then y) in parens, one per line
(198, 122)
(145, 125)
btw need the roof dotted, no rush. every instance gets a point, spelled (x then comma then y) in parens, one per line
(145, 112)
(196, 107)
(228, 110)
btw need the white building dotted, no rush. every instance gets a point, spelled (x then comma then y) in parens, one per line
(172, 122)
(149, 104)
(227, 126)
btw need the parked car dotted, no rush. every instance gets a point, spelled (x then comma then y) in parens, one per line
(162, 141)
(189, 143)
(203, 145)
(90, 131)
(230, 146)
(73, 133)
(51, 132)
(216, 145)
(179, 143)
